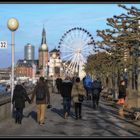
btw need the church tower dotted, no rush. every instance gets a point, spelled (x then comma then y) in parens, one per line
(43, 36)
(43, 51)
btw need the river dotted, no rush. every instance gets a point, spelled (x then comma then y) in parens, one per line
(2, 88)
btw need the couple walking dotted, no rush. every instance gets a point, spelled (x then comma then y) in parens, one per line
(41, 92)
(72, 91)
(93, 88)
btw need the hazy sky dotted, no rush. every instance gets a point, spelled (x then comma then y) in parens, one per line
(57, 19)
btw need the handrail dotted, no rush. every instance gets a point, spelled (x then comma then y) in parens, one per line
(7, 98)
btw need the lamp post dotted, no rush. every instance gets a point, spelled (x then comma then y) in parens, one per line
(54, 57)
(13, 25)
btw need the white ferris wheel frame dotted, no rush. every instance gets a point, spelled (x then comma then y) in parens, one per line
(75, 57)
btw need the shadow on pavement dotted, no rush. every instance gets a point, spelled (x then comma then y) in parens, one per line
(90, 105)
(115, 114)
(106, 119)
(60, 112)
(33, 115)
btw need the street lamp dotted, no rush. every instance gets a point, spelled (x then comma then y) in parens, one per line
(13, 25)
(54, 57)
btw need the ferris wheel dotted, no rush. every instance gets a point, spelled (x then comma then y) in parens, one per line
(75, 46)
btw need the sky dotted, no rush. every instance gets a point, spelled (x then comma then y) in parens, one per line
(56, 18)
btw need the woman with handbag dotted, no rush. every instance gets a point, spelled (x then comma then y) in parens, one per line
(121, 97)
(78, 97)
(122, 93)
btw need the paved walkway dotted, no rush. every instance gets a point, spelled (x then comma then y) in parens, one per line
(103, 122)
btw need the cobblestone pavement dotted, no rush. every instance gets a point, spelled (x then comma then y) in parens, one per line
(103, 122)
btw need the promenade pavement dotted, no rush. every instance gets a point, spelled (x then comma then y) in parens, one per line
(102, 122)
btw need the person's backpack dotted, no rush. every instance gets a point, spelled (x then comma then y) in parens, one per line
(40, 94)
(95, 93)
(96, 87)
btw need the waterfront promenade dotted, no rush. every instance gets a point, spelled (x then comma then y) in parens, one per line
(103, 122)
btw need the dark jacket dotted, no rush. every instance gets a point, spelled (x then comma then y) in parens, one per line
(47, 95)
(59, 83)
(96, 87)
(48, 92)
(20, 96)
(122, 91)
(66, 88)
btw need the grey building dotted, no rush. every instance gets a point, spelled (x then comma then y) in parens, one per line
(29, 52)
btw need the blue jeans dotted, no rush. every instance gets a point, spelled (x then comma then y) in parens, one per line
(95, 99)
(66, 104)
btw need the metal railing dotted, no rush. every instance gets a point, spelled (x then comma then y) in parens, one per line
(5, 97)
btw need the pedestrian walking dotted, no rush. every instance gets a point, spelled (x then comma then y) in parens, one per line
(49, 99)
(87, 82)
(122, 90)
(66, 94)
(58, 83)
(18, 100)
(78, 97)
(41, 92)
(96, 90)
(8, 89)
(121, 97)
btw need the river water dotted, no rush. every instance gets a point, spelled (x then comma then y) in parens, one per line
(2, 88)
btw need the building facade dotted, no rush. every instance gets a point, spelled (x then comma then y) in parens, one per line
(55, 63)
(46, 65)
(26, 68)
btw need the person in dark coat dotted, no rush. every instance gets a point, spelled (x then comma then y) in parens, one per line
(19, 98)
(48, 97)
(8, 89)
(58, 83)
(122, 95)
(122, 90)
(66, 89)
(41, 92)
(96, 89)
